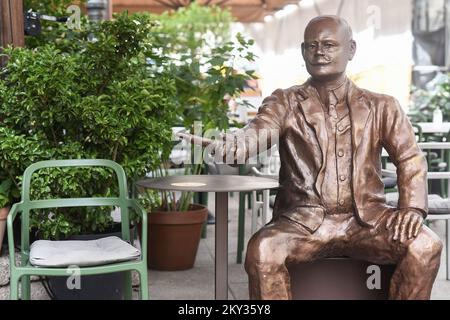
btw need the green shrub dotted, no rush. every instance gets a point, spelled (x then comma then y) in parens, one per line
(97, 93)
(426, 101)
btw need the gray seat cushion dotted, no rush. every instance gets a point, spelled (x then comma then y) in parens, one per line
(436, 204)
(389, 182)
(45, 253)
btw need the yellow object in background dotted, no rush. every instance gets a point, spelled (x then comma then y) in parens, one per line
(392, 79)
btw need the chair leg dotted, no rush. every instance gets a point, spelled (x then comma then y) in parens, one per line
(204, 200)
(143, 285)
(26, 289)
(265, 210)
(447, 243)
(241, 227)
(255, 211)
(14, 288)
(128, 286)
(204, 233)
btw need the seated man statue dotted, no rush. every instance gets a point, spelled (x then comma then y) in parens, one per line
(331, 199)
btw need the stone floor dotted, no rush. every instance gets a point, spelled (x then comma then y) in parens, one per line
(198, 282)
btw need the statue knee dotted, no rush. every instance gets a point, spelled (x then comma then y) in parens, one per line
(263, 253)
(426, 248)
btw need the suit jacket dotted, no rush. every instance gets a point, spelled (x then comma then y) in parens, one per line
(377, 121)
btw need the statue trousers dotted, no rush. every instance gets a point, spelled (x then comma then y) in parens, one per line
(282, 242)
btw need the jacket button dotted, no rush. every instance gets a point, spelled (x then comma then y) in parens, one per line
(341, 202)
(342, 177)
(340, 153)
(341, 128)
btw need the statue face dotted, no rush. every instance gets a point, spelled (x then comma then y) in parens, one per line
(327, 49)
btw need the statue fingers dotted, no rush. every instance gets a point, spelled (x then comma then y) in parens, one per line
(411, 227)
(230, 153)
(397, 226)
(224, 152)
(418, 226)
(414, 225)
(194, 139)
(218, 151)
(404, 227)
(241, 152)
(391, 219)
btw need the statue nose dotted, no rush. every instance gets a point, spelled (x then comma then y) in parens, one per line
(320, 50)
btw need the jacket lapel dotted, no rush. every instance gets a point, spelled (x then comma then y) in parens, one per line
(312, 110)
(359, 113)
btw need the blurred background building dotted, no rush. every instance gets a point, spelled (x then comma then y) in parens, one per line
(400, 43)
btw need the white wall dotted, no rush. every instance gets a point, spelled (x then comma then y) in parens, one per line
(381, 28)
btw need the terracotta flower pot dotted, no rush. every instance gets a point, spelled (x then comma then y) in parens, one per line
(173, 238)
(3, 216)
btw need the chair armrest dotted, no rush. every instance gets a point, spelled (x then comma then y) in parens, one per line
(144, 232)
(434, 145)
(438, 175)
(430, 175)
(16, 208)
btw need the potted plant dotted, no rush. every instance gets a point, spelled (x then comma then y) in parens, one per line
(202, 60)
(4, 209)
(426, 101)
(93, 99)
(174, 234)
(98, 92)
(5, 187)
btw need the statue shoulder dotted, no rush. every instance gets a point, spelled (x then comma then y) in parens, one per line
(379, 100)
(299, 91)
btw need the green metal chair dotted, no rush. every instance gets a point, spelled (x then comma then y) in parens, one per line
(21, 273)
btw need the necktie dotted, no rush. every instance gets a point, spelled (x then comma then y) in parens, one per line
(332, 105)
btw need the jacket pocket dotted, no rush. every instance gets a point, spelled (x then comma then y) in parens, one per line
(309, 217)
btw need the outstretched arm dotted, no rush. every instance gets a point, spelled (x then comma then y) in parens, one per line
(256, 137)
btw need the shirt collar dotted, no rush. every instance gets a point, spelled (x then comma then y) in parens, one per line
(339, 91)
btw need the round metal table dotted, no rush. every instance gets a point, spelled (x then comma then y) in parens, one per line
(221, 185)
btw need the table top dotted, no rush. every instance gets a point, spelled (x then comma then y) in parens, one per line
(206, 183)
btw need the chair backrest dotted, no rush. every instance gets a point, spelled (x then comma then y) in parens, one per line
(120, 173)
(418, 132)
(441, 175)
(121, 201)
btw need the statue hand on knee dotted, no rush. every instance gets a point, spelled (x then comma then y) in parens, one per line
(405, 223)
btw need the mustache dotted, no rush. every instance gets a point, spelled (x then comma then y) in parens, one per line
(320, 60)
(320, 63)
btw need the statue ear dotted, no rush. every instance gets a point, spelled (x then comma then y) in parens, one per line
(303, 49)
(352, 49)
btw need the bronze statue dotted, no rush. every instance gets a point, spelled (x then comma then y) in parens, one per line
(331, 198)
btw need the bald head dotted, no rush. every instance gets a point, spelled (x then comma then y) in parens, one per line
(327, 47)
(337, 21)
